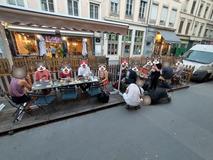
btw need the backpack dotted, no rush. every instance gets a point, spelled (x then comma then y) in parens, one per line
(103, 97)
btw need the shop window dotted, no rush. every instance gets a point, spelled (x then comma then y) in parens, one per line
(138, 42)
(94, 11)
(128, 36)
(163, 15)
(114, 6)
(181, 26)
(142, 11)
(127, 49)
(26, 43)
(172, 17)
(112, 49)
(137, 50)
(154, 12)
(75, 46)
(47, 5)
(73, 7)
(183, 45)
(129, 8)
(16, 2)
(113, 44)
(207, 8)
(193, 6)
(187, 27)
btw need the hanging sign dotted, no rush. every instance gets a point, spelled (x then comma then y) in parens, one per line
(53, 39)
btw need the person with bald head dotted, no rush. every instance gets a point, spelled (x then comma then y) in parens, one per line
(133, 94)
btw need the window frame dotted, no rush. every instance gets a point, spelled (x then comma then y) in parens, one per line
(154, 20)
(181, 26)
(73, 8)
(163, 21)
(200, 30)
(136, 44)
(94, 5)
(114, 3)
(130, 8)
(48, 9)
(187, 27)
(206, 10)
(193, 7)
(171, 23)
(16, 3)
(200, 9)
(144, 10)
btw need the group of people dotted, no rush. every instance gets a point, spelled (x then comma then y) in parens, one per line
(134, 93)
(21, 82)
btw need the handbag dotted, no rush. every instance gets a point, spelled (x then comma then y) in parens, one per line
(103, 97)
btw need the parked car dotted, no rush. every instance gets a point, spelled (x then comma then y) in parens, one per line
(200, 56)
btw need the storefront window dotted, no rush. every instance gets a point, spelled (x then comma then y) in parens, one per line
(127, 49)
(26, 43)
(113, 44)
(138, 42)
(74, 45)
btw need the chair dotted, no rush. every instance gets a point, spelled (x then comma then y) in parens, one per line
(68, 93)
(42, 100)
(94, 91)
(110, 77)
(19, 107)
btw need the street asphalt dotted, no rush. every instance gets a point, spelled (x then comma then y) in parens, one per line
(180, 130)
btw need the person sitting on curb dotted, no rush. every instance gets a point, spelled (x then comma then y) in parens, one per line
(133, 94)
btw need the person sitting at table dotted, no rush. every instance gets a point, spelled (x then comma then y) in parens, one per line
(83, 72)
(17, 84)
(42, 74)
(65, 73)
(124, 68)
(167, 74)
(103, 74)
(131, 75)
(178, 62)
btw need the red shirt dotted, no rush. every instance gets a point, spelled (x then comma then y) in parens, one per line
(44, 75)
(62, 75)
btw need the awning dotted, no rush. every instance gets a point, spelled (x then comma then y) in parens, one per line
(30, 17)
(169, 37)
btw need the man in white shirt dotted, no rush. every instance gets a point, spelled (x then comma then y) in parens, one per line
(133, 95)
(179, 71)
(84, 71)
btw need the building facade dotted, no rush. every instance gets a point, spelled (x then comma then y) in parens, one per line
(195, 24)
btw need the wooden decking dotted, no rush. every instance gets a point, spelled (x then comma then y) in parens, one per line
(63, 112)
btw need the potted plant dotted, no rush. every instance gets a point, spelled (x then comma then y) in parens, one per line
(31, 49)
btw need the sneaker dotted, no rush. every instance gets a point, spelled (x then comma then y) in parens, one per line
(169, 97)
(127, 106)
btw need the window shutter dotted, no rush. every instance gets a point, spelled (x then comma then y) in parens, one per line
(154, 11)
(164, 13)
(173, 15)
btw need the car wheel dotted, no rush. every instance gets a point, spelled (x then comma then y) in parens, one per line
(206, 78)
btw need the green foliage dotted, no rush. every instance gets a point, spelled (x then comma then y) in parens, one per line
(74, 49)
